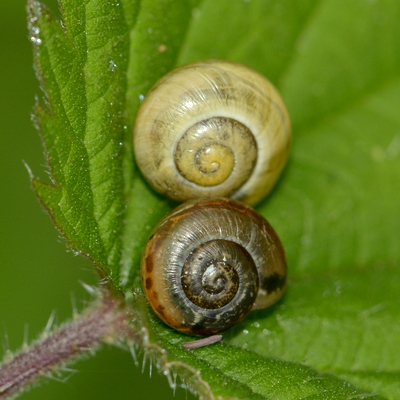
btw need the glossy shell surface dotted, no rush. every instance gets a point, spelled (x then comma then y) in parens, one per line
(197, 289)
(212, 128)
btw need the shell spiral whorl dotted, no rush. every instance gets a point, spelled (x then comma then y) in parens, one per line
(209, 262)
(212, 128)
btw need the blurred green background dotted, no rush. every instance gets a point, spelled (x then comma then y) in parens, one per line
(38, 276)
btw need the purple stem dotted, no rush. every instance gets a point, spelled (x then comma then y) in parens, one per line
(106, 318)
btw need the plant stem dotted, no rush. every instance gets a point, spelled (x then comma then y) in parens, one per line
(105, 320)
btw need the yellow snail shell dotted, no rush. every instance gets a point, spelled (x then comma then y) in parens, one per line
(209, 262)
(212, 128)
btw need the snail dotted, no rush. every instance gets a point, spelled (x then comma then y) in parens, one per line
(212, 129)
(209, 262)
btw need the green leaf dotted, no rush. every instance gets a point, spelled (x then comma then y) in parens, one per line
(336, 322)
(81, 66)
(339, 206)
(336, 208)
(239, 373)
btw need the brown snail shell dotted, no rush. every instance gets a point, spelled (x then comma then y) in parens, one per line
(212, 128)
(209, 262)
